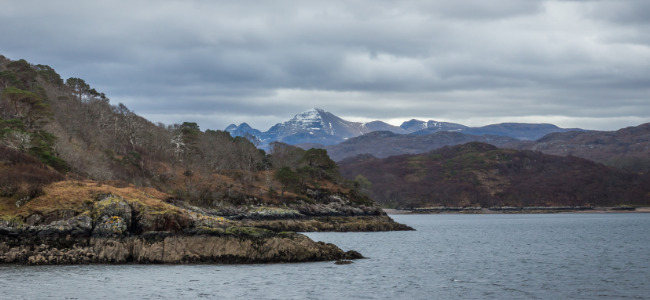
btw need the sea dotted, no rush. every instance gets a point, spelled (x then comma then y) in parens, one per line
(449, 256)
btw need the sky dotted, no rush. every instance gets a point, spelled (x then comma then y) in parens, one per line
(571, 63)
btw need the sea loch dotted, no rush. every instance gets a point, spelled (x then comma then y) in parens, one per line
(548, 256)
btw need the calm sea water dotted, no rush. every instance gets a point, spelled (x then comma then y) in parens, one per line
(554, 256)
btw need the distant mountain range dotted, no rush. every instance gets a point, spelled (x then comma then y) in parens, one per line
(520, 131)
(320, 128)
(312, 126)
(385, 143)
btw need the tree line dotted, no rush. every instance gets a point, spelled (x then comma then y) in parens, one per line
(71, 127)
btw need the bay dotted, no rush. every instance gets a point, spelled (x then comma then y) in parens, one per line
(500, 256)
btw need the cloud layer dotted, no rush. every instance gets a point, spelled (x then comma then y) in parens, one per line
(572, 63)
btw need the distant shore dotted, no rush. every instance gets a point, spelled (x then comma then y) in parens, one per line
(596, 210)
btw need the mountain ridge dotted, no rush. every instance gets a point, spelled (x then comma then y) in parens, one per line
(317, 126)
(383, 144)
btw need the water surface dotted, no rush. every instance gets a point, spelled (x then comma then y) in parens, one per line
(549, 256)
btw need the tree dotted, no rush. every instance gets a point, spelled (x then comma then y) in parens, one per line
(8, 78)
(27, 106)
(49, 74)
(24, 72)
(287, 178)
(79, 87)
(320, 161)
(363, 182)
(305, 173)
(285, 155)
(16, 140)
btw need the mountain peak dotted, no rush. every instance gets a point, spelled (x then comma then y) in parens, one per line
(410, 124)
(242, 130)
(309, 116)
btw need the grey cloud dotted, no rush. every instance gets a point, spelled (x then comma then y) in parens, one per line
(229, 62)
(626, 12)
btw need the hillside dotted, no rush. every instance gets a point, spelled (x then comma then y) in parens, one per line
(72, 163)
(384, 144)
(626, 148)
(66, 130)
(479, 174)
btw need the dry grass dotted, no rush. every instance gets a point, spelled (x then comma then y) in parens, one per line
(73, 195)
(258, 187)
(77, 194)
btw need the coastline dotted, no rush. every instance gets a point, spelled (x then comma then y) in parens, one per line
(110, 229)
(596, 210)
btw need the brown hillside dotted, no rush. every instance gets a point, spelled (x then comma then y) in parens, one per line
(627, 148)
(384, 143)
(479, 174)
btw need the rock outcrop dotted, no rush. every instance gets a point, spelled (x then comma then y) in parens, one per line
(339, 216)
(338, 224)
(203, 245)
(119, 231)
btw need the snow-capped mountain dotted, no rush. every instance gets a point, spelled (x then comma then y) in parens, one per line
(316, 126)
(311, 126)
(316, 122)
(415, 125)
(242, 129)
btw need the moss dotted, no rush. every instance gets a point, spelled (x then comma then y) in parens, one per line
(210, 231)
(248, 231)
(15, 220)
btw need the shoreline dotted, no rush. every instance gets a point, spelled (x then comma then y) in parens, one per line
(596, 210)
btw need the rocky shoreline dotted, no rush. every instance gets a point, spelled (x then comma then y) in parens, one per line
(335, 224)
(114, 230)
(516, 210)
(203, 245)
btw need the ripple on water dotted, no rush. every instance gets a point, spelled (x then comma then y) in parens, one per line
(559, 256)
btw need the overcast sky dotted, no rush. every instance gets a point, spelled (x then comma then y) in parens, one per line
(572, 63)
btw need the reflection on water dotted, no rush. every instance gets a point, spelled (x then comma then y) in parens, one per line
(559, 256)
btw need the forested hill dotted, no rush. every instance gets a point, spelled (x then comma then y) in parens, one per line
(85, 181)
(479, 174)
(74, 132)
